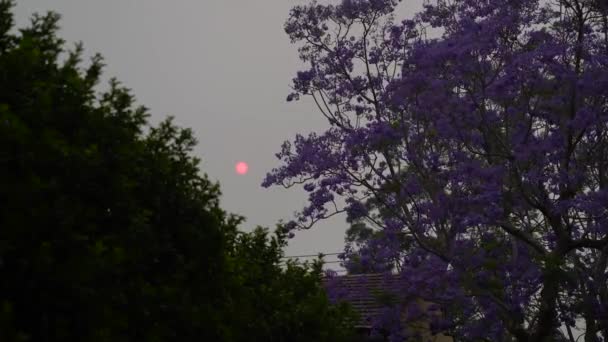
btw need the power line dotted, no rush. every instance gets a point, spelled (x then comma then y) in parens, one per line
(309, 255)
(324, 261)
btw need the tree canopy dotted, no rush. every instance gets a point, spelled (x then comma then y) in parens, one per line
(476, 131)
(109, 231)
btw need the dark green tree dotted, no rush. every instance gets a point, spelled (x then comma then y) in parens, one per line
(108, 230)
(279, 299)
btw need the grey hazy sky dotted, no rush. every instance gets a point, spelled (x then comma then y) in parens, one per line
(221, 67)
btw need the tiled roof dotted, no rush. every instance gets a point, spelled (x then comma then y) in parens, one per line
(369, 294)
(365, 292)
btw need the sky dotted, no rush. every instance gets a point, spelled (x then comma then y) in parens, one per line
(222, 68)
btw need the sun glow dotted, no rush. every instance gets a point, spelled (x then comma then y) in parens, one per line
(241, 168)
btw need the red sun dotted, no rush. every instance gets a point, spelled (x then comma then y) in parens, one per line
(241, 168)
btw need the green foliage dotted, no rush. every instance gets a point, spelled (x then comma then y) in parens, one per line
(108, 231)
(359, 233)
(281, 300)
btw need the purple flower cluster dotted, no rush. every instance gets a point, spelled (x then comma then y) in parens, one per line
(477, 150)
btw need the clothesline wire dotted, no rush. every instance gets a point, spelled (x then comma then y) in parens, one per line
(309, 255)
(325, 262)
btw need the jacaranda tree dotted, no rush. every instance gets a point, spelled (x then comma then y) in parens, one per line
(473, 138)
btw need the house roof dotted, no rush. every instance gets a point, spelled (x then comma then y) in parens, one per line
(367, 293)
(370, 294)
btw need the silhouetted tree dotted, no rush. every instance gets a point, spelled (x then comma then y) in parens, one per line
(108, 230)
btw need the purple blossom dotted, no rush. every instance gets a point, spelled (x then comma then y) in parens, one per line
(480, 154)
